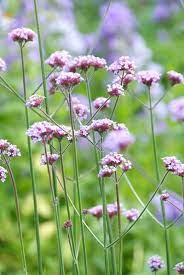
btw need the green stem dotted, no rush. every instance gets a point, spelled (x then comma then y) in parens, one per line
(17, 207)
(114, 108)
(119, 224)
(113, 256)
(77, 183)
(57, 216)
(158, 178)
(34, 192)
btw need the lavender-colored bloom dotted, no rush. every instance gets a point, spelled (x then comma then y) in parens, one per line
(155, 263)
(69, 79)
(126, 165)
(97, 211)
(22, 35)
(3, 66)
(61, 131)
(86, 61)
(164, 196)
(179, 267)
(162, 12)
(174, 165)
(175, 77)
(8, 149)
(3, 173)
(83, 131)
(58, 59)
(106, 171)
(124, 64)
(35, 101)
(67, 224)
(52, 82)
(176, 108)
(101, 125)
(131, 214)
(115, 89)
(80, 110)
(41, 131)
(50, 158)
(112, 159)
(148, 77)
(101, 101)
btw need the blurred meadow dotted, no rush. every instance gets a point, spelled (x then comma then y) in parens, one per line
(151, 33)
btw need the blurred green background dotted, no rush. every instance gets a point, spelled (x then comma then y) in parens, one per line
(164, 39)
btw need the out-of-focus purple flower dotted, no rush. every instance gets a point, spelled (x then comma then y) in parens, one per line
(164, 196)
(22, 35)
(176, 108)
(155, 263)
(115, 89)
(179, 267)
(3, 66)
(131, 214)
(101, 102)
(97, 211)
(162, 12)
(81, 110)
(67, 224)
(101, 125)
(148, 77)
(58, 59)
(35, 101)
(126, 165)
(118, 140)
(124, 64)
(41, 131)
(175, 77)
(52, 82)
(3, 173)
(69, 79)
(106, 171)
(50, 158)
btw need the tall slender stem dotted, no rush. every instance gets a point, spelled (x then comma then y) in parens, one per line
(112, 250)
(119, 223)
(57, 216)
(158, 179)
(34, 192)
(17, 207)
(77, 183)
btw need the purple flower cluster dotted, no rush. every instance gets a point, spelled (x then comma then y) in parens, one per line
(50, 158)
(97, 211)
(155, 263)
(52, 83)
(175, 78)
(123, 65)
(8, 149)
(58, 59)
(80, 110)
(67, 224)
(172, 164)
(22, 35)
(101, 102)
(179, 267)
(85, 62)
(115, 89)
(176, 108)
(101, 125)
(148, 77)
(35, 101)
(131, 214)
(68, 79)
(3, 173)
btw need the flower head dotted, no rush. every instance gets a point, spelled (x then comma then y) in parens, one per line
(172, 164)
(123, 64)
(112, 159)
(67, 224)
(61, 131)
(3, 173)
(148, 77)
(22, 35)
(8, 149)
(131, 214)
(115, 89)
(83, 131)
(52, 82)
(101, 102)
(106, 171)
(80, 110)
(101, 125)
(86, 61)
(155, 263)
(176, 108)
(97, 211)
(41, 131)
(179, 268)
(50, 158)
(35, 101)
(175, 77)
(164, 196)
(58, 59)
(69, 79)
(3, 66)
(126, 165)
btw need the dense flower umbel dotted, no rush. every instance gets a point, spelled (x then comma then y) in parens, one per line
(58, 59)
(52, 82)
(97, 211)
(131, 214)
(102, 125)
(175, 77)
(41, 131)
(179, 268)
(148, 77)
(101, 101)
(2, 65)
(174, 165)
(8, 149)
(67, 224)
(83, 131)
(62, 131)
(106, 171)
(80, 110)
(126, 165)
(51, 158)
(155, 263)
(35, 101)
(69, 79)
(164, 196)
(3, 173)
(86, 61)
(115, 89)
(112, 159)
(123, 64)
(22, 35)
(176, 108)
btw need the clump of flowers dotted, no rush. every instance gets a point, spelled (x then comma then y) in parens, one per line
(112, 159)
(35, 101)
(58, 59)
(3, 66)
(164, 196)
(115, 89)
(179, 268)
(131, 214)
(148, 77)
(3, 173)
(52, 82)
(80, 110)
(8, 149)
(22, 35)
(175, 77)
(176, 108)
(50, 158)
(172, 164)
(101, 102)
(124, 64)
(67, 224)
(68, 79)
(101, 125)
(89, 61)
(97, 211)
(41, 131)
(106, 171)
(155, 263)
